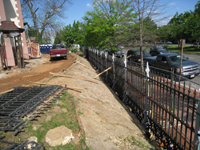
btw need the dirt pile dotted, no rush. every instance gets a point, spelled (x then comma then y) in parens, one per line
(107, 123)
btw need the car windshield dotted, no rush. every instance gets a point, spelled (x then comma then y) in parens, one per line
(144, 53)
(177, 58)
(57, 46)
(159, 47)
(119, 51)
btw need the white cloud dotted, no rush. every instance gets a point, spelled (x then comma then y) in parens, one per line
(177, 8)
(88, 5)
(172, 4)
(170, 17)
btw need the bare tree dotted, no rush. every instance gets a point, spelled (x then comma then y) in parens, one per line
(43, 15)
(153, 9)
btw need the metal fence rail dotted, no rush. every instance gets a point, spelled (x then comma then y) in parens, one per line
(22, 102)
(165, 107)
(7, 145)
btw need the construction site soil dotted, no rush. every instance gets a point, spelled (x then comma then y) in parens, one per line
(35, 70)
(106, 121)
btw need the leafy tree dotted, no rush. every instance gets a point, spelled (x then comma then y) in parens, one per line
(146, 9)
(72, 34)
(43, 15)
(58, 38)
(178, 26)
(163, 33)
(106, 26)
(194, 24)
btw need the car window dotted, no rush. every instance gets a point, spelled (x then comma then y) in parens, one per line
(137, 53)
(159, 58)
(177, 58)
(162, 50)
(130, 52)
(144, 52)
(54, 47)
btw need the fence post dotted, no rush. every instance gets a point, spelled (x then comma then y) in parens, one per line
(125, 80)
(106, 60)
(113, 58)
(196, 141)
(97, 60)
(101, 61)
(172, 91)
(145, 121)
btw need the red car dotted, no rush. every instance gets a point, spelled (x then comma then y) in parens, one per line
(58, 50)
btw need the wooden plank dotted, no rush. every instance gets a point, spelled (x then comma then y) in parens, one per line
(6, 91)
(86, 66)
(56, 74)
(108, 68)
(69, 87)
(102, 72)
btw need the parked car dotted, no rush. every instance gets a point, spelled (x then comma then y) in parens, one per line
(155, 50)
(175, 42)
(108, 51)
(166, 61)
(134, 55)
(195, 43)
(58, 50)
(119, 53)
(168, 42)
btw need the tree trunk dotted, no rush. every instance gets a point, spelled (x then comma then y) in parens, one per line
(178, 43)
(141, 52)
(141, 39)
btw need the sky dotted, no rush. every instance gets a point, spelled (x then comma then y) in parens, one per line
(79, 7)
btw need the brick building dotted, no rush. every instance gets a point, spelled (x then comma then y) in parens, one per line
(10, 10)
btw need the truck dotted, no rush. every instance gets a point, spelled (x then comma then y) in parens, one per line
(166, 61)
(58, 50)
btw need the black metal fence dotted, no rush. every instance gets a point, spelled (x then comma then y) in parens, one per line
(167, 108)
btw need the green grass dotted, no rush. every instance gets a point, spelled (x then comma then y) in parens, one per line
(186, 49)
(136, 142)
(175, 48)
(67, 119)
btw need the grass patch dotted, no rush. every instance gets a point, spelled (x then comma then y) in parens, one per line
(186, 49)
(136, 142)
(81, 53)
(67, 119)
(175, 48)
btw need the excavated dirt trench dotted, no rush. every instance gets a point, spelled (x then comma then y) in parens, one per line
(26, 76)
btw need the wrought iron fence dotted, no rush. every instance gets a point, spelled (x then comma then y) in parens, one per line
(167, 108)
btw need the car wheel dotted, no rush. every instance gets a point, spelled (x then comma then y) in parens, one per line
(51, 58)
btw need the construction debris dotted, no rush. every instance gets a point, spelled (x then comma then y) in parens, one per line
(108, 68)
(102, 72)
(86, 66)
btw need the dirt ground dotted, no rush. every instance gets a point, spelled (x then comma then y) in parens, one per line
(107, 123)
(35, 70)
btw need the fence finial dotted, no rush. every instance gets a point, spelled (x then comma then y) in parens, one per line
(106, 54)
(125, 61)
(113, 57)
(147, 69)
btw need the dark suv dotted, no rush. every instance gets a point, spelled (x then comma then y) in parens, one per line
(134, 55)
(155, 50)
(119, 53)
